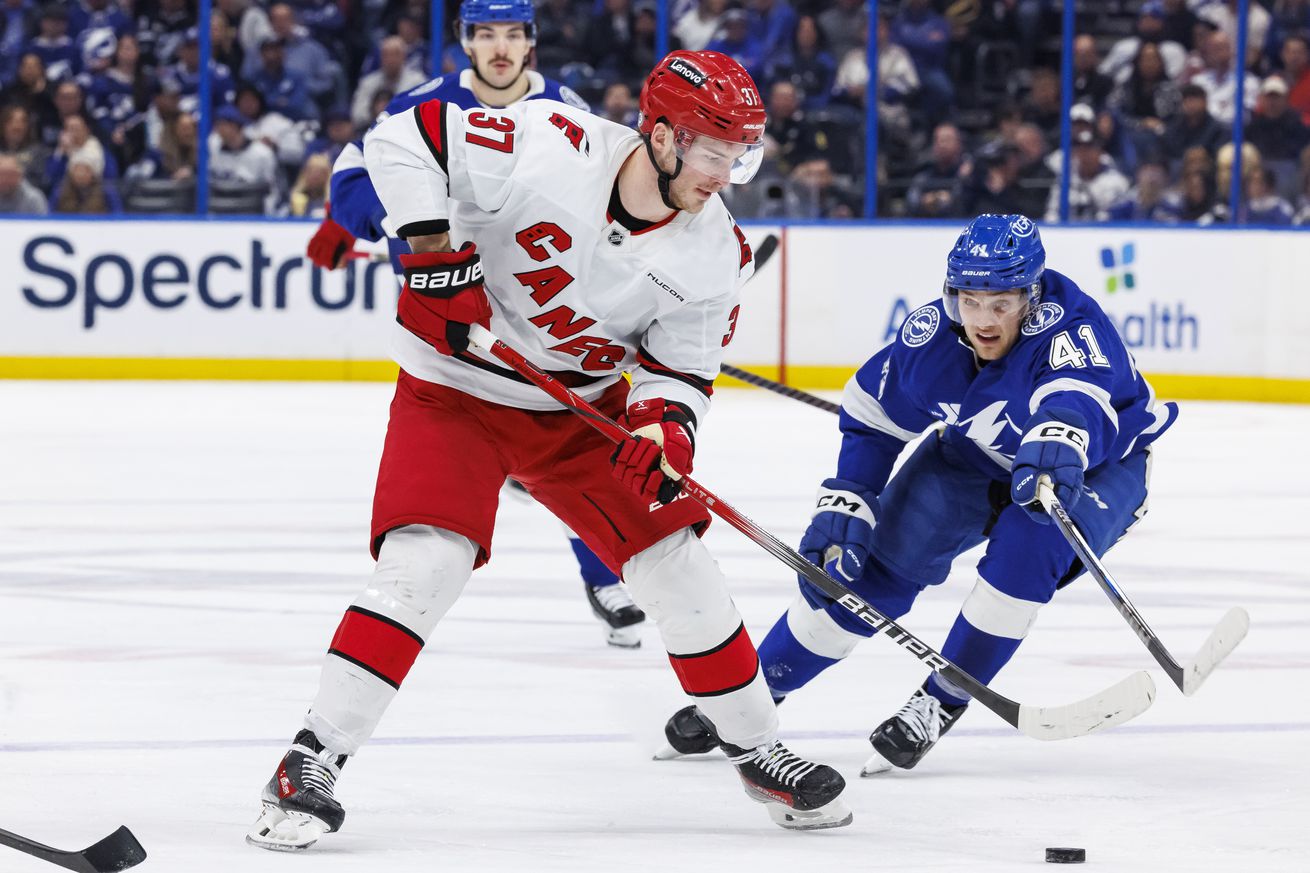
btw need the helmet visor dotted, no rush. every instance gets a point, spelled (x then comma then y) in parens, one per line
(982, 304)
(732, 162)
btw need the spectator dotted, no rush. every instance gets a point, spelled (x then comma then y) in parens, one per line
(1303, 201)
(937, 189)
(416, 47)
(176, 157)
(223, 43)
(926, 36)
(619, 105)
(1219, 78)
(1146, 201)
(772, 28)
(32, 90)
(309, 195)
(163, 109)
(1035, 177)
(785, 134)
(698, 26)
(1295, 56)
(1193, 125)
(1194, 200)
(88, 15)
(283, 90)
(641, 59)
(812, 192)
(392, 75)
(302, 56)
(1042, 106)
(1095, 186)
(17, 25)
(1264, 205)
(1179, 23)
(233, 157)
(18, 140)
(1147, 94)
(185, 76)
(249, 22)
(898, 81)
(853, 74)
(609, 36)
(17, 195)
(161, 31)
(1223, 14)
(339, 130)
(1125, 54)
(841, 24)
(1275, 128)
(735, 42)
(83, 190)
(995, 183)
(69, 99)
(285, 137)
(77, 141)
(1090, 86)
(807, 66)
(53, 44)
(561, 31)
(1252, 165)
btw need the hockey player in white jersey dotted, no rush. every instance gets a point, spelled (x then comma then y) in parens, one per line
(605, 252)
(498, 37)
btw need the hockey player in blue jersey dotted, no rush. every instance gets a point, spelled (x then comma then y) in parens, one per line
(497, 36)
(1017, 375)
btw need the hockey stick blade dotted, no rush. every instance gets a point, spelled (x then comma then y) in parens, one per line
(764, 251)
(1112, 706)
(1230, 631)
(118, 851)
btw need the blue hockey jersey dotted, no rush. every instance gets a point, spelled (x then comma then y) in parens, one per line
(355, 204)
(1068, 355)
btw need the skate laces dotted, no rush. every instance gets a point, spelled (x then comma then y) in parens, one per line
(613, 597)
(778, 762)
(316, 773)
(922, 717)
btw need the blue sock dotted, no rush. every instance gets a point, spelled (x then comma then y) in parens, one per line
(594, 571)
(977, 653)
(787, 664)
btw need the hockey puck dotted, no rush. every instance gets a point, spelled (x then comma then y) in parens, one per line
(1065, 856)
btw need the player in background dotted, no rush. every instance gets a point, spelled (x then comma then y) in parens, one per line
(1019, 375)
(498, 37)
(607, 251)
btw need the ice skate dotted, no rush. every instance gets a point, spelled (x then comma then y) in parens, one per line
(621, 619)
(799, 795)
(298, 803)
(688, 732)
(902, 740)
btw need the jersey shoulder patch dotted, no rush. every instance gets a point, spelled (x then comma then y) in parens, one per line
(571, 97)
(920, 325)
(1046, 315)
(427, 87)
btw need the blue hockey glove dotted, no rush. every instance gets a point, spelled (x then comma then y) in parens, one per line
(843, 523)
(1055, 445)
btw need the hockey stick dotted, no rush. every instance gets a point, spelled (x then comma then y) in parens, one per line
(118, 851)
(767, 247)
(1118, 704)
(1188, 677)
(778, 388)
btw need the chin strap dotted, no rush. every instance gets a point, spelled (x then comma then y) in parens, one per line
(665, 179)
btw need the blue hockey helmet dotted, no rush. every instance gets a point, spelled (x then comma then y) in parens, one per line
(995, 253)
(475, 12)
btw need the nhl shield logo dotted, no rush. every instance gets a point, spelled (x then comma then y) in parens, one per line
(616, 237)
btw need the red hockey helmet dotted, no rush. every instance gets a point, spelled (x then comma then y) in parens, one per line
(707, 94)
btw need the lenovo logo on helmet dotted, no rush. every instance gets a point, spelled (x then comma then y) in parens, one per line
(688, 72)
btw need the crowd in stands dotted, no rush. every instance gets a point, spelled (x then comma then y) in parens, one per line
(99, 100)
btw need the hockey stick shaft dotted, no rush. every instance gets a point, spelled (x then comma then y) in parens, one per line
(1033, 722)
(1227, 634)
(778, 388)
(118, 851)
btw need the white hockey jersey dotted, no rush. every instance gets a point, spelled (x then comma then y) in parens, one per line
(577, 293)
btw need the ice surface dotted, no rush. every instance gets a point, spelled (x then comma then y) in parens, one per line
(175, 556)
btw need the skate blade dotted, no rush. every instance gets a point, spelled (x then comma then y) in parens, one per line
(624, 637)
(875, 765)
(834, 814)
(281, 831)
(666, 753)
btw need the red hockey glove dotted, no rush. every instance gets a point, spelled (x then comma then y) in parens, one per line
(443, 295)
(654, 459)
(328, 246)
